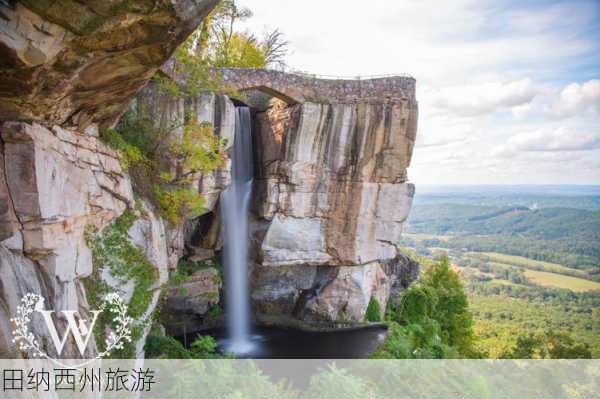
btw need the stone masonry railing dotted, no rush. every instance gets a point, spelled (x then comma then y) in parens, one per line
(301, 87)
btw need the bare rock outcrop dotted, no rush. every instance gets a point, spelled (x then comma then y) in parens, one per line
(331, 196)
(57, 183)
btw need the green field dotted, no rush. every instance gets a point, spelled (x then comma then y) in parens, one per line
(421, 237)
(532, 264)
(575, 284)
(501, 265)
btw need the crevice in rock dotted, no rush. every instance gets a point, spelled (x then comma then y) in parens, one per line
(8, 189)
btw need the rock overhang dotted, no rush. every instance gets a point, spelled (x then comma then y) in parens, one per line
(73, 64)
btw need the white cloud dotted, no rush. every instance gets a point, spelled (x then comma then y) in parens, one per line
(578, 98)
(543, 140)
(473, 100)
(440, 130)
(575, 99)
(522, 111)
(554, 16)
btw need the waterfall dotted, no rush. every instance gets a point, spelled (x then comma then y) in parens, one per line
(234, 211)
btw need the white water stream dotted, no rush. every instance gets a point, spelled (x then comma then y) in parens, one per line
(235, 201)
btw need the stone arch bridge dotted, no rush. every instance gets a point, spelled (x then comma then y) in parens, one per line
(299, 87)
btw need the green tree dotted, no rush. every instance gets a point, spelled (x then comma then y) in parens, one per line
(547, 345)
(230, 47)
(526, 347)
(373, 313)
(432, 318)
(450, 305)
(560, 345)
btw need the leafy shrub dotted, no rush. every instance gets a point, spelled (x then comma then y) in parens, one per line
(415, 341)
(163, 165)
(203, 347)
(186, 267)
(178, 204)
(130, 154)
(214, 312)
(204, 344)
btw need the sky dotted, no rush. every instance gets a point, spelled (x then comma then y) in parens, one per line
(508, 91)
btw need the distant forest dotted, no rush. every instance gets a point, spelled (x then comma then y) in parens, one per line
(561, 235)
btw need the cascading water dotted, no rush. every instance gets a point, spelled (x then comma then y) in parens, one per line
(235, 201)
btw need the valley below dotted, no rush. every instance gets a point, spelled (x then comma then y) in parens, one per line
(528, 256)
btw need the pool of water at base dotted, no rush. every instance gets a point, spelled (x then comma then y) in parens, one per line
(288, 343)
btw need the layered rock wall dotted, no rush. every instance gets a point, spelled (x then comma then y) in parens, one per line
(57, 183)
(330, 199)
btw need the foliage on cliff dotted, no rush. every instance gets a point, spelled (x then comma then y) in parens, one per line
(164, 161)
(113, 251)
(431, 319)
(219, 43)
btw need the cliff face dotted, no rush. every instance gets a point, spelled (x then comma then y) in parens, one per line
(67, 68)
(330, 193)
(43, 250)
(341, 168)
(330, 200)
(58, 183)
